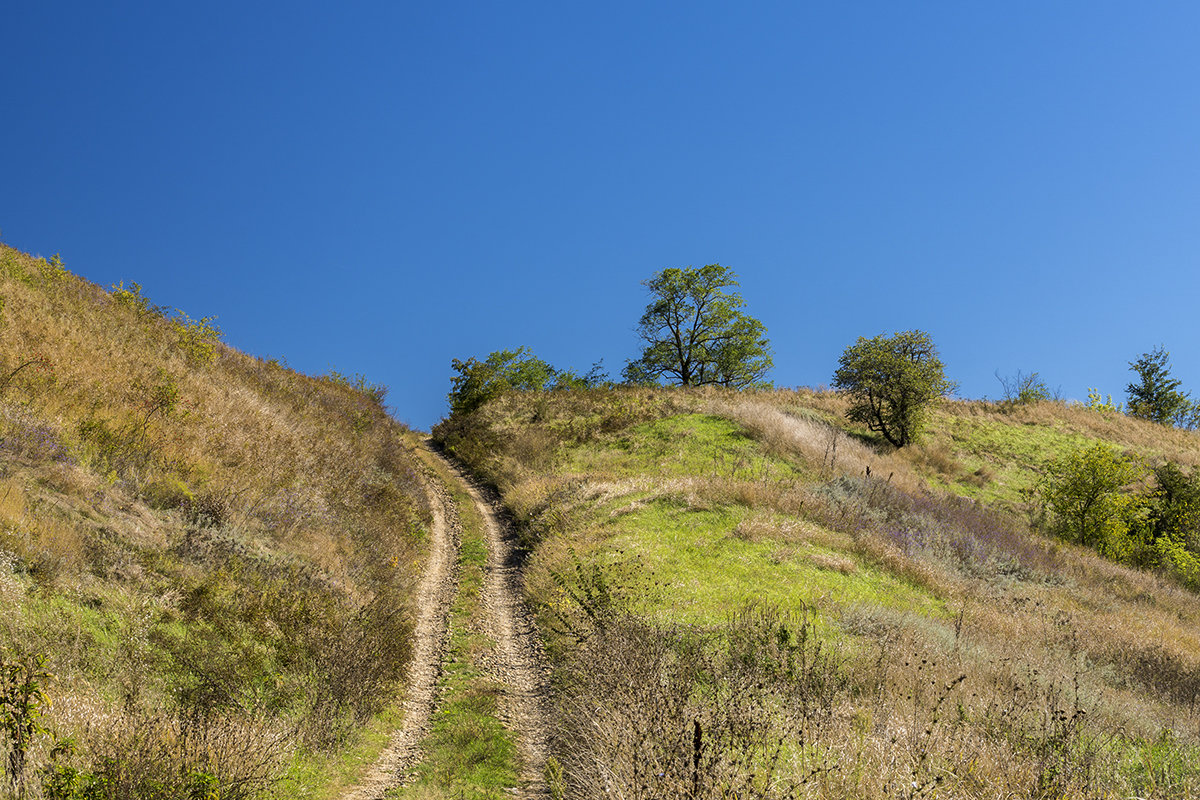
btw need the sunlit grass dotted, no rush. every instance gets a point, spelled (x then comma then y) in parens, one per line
(705, 569)
(189, 533)
(1075, 675)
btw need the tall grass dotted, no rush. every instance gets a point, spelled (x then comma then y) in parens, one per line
(214, 553)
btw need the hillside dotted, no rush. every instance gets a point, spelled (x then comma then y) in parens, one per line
(207, 560)
(211, 566)
(743, 595)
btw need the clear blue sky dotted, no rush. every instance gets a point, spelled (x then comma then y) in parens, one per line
(383, 186)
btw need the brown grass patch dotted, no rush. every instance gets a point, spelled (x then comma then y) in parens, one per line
(820, 445)
(209, 530)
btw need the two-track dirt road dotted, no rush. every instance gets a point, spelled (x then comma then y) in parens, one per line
(515, 662)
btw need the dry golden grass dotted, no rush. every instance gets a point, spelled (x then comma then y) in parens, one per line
(1182, 446)
(200, 525)
(814, 439)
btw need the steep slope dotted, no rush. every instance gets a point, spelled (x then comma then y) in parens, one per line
(207, 560)
(742, 596)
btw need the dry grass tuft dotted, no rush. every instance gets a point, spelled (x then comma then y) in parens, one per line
(820, 444)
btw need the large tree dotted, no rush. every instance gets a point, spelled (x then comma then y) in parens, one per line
(890, 380)
(696, 333)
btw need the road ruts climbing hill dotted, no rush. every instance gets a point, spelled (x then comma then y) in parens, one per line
(511, 660)
(517, 660)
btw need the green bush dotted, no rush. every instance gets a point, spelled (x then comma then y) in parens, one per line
(891, 380)
(504, 370)
(1103, 404)
(197, 338)
(134, 299)
(1083, 491)
(22, 702)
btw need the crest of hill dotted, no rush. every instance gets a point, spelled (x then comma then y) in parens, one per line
(189, 533)
(903, 604)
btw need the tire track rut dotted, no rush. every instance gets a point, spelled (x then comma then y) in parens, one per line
(431, 634)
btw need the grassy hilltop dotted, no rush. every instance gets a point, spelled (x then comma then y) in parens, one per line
(743, 595)
(206, 559)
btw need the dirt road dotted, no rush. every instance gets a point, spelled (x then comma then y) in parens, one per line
(515, 662)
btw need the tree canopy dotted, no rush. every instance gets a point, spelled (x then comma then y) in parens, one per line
(891, 380)
(696, 333)
(1156, 396)
(505, 370)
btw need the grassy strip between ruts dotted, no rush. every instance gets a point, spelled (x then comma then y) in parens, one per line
(469, 753)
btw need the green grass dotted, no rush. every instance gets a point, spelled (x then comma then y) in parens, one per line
(703, 569)
(687, 520)
(684, 445)
(703, 566)
(176, 514)
(1014, 453)
(325, 776)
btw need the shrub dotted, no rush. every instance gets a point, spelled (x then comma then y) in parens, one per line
(1083, 491)
(687, 714)
(891, 380)
(1103, 404)
(134, 299)
(504, 370)
(144, 756)
(197, 338)
(1023, 390)
(375, 392)
(22, 701)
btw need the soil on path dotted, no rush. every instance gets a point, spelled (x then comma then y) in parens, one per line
(516, 662)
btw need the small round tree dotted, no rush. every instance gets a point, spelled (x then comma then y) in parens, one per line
(1156, 396)
(891, 380)
(504, 370)
(1083, 491)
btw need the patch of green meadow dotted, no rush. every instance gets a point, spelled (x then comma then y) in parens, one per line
(708, 570)
(1014, 455)
(707, 566)
(678, 446)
